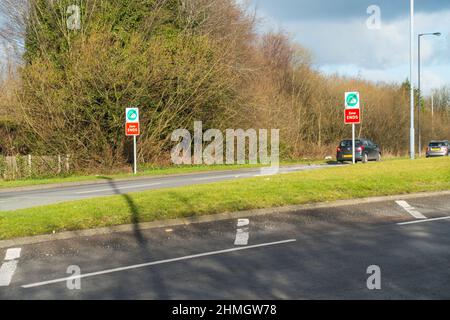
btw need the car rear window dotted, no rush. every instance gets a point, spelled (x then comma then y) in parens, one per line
(348, 143)
(437, 144)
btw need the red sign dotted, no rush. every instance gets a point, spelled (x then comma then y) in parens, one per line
(132, 129)
(352, 116)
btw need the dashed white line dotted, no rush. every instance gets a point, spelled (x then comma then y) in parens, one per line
(411, 210)
(214, 177)
(243, 222)
(242, 234)
(143, 265)
(242, 237)
(120, 188)
(12, 254)
(8, 268)
(7, 272)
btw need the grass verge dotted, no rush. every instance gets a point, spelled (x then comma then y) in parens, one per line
(334, 183)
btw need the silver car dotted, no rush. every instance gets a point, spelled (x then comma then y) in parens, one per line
(438, 149)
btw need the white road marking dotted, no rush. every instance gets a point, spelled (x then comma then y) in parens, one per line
(242, 234)
(214, 177)
(243, 222)
(422, 221)
(143, 265)
(12, 254)
(411, 210)
(6, 272)
(9, 267)
(120, 188)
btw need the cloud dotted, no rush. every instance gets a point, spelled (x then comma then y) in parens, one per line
(294, 10)
(351, 42)
(342, 43)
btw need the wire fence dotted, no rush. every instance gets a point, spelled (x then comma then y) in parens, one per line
(33, 166)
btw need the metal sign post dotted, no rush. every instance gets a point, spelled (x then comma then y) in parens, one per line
(352, 116)
(132, 128)
(353, 144)
(135, 155)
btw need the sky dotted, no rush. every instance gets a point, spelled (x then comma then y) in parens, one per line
(343, 37)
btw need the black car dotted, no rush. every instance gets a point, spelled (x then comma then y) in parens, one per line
(365, 151)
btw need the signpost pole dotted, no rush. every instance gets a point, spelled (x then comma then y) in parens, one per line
(353, 144)
(135, 154)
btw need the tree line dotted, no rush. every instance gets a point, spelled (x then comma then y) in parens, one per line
(64, 90)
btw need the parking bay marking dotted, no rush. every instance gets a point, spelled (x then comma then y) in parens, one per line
(422, 221)
(411, 210)
(13, 254)
(242, 234)
(9, 267)
(143, 265)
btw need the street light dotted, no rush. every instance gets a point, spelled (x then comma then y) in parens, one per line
(437, 34)
(412, 144)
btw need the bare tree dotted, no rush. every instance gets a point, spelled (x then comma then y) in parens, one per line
(13, 15)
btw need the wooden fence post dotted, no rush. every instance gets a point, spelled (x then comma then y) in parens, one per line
(30, 172)
(59, 164)
(67, 163)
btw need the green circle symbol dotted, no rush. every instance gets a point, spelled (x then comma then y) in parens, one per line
(352, 100)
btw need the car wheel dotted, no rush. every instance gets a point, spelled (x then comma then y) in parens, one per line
(365, 158)
(379, 157)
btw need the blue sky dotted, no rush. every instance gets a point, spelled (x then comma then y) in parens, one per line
(336, 33)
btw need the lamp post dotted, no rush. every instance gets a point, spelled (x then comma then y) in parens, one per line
(437, 34)
(412, 143)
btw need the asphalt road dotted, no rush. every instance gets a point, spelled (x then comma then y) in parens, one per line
(311, 254)
(13, 200)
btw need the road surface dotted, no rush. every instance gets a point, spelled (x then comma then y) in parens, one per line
(13, 200)
(312, 254)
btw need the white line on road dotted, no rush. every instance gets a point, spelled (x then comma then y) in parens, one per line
(214, 177)
(143, 265)
(422, 221)
(411, 210)
(12, 254)
(6, 272)
(9, 267)
(243, 222)
(242, 237)
(120, 188)
(242, 234)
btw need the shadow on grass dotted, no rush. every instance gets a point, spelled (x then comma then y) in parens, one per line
(131, 205)
(335, 163)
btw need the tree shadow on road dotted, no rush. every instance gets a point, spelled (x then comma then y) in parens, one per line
(131, 205)
(157, 280)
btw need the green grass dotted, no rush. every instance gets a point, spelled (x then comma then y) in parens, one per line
(374, 179)
(146, 171)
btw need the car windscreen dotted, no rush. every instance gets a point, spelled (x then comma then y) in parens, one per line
(348, 143)
(437, 144)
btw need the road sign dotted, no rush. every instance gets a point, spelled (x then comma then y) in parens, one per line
(132, 115)
(132, 129)
(352, 116)
(352, 100)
